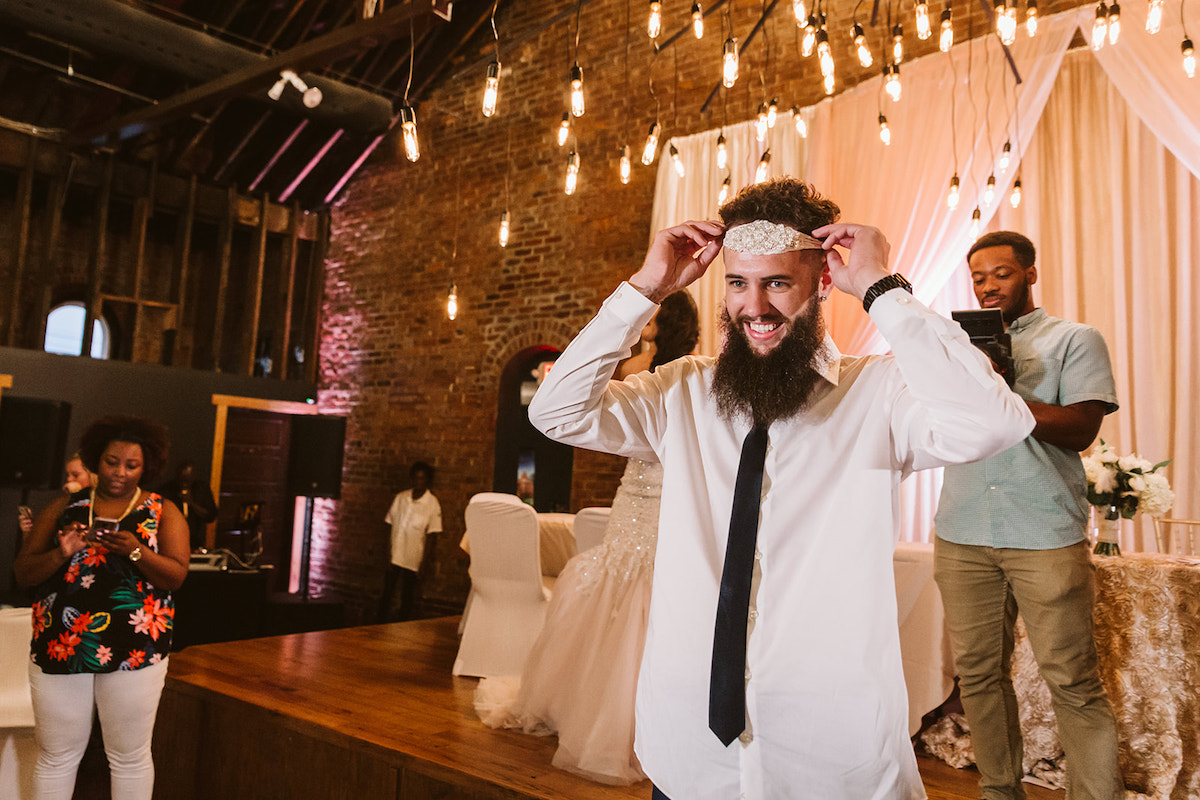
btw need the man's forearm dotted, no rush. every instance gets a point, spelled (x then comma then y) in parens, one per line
(1072, 427)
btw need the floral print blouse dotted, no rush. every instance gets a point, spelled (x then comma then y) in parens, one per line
(98, 614)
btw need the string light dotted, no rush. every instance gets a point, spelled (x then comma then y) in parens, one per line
(577, 105)
(800, 9)
(924, 30)
(760, 123)
(860, 41)
(764, 164)
(654, 24)
(772, 112)
(824, 53)
(1031, 16)
(1014, 199)
(722, 152)
(1114, 23)
(946, 37)
(1005, 158)
(885, 133)
(491, 89)
(892, 84)
(726, 190)
(898, 43)
(408, 129)
(504, 229)
(801, 125)
(976, 222)
(808, 41)
(1189, 57)
(729, 63)
(829, 85)
(1154, 17)
(952, 196)
(989, 193)
(572, 174)
(626, 165)
(677, 162)
(452, 302)
(1006, 22)
(1100, 26)
(564, 128)
(697, 21)
(651, 148)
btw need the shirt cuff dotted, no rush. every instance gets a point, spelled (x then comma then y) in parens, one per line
(630, 306)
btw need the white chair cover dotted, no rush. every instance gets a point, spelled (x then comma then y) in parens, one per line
(18, 752)
(509, 597)
(590, 524)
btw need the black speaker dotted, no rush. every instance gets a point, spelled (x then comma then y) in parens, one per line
(315, 456)
(33, 441)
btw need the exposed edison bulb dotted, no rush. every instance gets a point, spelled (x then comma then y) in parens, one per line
(924, 29)
(1114, 23)
(892, 84)
(408, 129)
(764, 166)
(729, 63)
(697, 21)
(726, 190)
(829, 84)
(564, 129)
(1006, 23)
(651, 148)
(677, 162)
(1154, 16)
(626, 165)
(860, 44)
(760, 123)
(654, 24)
(976, 222)
(800, 9)
(989, 192)
(801, 125)
(1100, 26)
(1014, 199)
(952, 195)
(824, 52)
(1189, 58)
(897, 43)
(577, 106)
(722, 152)
(452, 302)
(772, 112)
(885, 133)
(946, 37)
(808, 42)
(491, 89)
(1031, 17)
(572, 180)
(1005, 158)
(504, 229)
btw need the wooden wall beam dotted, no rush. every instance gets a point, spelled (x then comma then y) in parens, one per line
(291, 242)
(60, 184)
(21, 256)
(224, 251)
(183, 254)
(98, 259)
(143, 207)
(255, 292)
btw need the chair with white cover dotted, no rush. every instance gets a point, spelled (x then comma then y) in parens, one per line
(1177, 535)
(509, 595)
(590, 525)
(18, 751)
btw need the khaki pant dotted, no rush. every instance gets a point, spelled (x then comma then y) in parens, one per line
(982, 589)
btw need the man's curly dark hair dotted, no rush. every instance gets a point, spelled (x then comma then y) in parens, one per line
(785, 201)
(149, 435)
(678, 324)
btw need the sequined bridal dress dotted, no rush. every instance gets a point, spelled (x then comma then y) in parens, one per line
(580, 677)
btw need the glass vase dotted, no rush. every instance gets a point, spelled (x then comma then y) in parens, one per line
(1107, 524)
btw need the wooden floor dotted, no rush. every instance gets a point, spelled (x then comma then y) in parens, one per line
(369, 712)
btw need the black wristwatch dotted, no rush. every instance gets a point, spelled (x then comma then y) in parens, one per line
(893, 281)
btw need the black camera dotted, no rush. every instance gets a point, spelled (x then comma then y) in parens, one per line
(985, 326)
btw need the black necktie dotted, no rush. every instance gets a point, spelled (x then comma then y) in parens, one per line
(727, 685)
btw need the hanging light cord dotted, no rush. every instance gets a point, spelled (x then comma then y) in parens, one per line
(412, 56)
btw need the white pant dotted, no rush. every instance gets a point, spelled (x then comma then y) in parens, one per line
(127, 703)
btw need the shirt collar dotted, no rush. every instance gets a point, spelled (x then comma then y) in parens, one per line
(1026, 320)
(827, 359)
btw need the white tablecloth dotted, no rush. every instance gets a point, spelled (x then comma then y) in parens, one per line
(924, 643)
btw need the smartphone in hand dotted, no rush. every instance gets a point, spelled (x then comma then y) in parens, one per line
(100, 527)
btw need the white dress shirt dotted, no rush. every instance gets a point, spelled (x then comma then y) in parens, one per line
(825, 701)
(411, 520)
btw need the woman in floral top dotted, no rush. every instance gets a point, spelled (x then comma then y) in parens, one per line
(103, 562)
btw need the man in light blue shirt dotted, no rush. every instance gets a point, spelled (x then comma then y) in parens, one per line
(1011, 535)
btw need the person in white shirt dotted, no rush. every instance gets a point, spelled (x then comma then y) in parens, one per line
(414, 516)
(825, 706)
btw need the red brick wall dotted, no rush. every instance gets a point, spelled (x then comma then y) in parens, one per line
(418, 386)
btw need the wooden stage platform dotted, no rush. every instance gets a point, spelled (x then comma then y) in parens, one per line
(369, 713)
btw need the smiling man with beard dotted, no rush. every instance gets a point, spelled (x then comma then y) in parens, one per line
(771, 667)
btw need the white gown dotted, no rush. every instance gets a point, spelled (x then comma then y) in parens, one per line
(580, 678)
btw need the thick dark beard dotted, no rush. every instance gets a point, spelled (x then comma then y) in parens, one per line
(768, 387)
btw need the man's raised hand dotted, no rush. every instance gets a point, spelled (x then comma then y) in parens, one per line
(677, 257)
(868, 260)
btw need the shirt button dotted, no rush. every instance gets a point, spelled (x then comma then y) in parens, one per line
(747, 673)
(903, 300)
(746, 738)
(754, 613)
(757, 554)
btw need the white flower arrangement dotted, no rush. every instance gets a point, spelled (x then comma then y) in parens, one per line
(1129, 482)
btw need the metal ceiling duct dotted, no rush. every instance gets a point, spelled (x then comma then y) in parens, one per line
(129, 33)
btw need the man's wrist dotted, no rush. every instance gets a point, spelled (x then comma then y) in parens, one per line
(884, 284)
(650, 294)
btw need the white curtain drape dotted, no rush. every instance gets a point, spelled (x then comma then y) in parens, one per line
(1091, 168)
